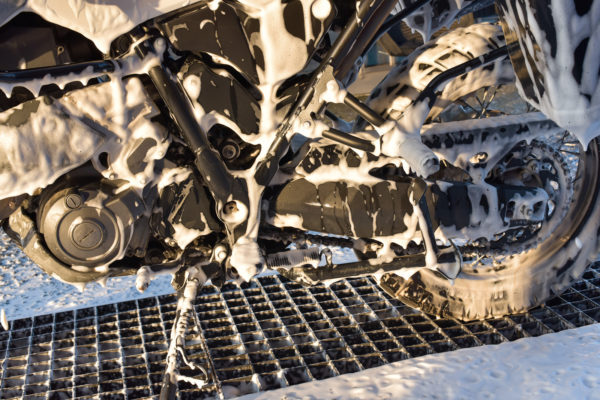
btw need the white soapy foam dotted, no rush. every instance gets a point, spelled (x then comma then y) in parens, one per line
(184, 235)
(564, 99)
(395, 97)
(3, 320)
(101, 21)
(445, 52)
(431, 21)
(34, 85)
(32, 166)
(321, 9)
(496, 144)
(124, 110)
(287, 220)
(404, 140)
(143, 277)
(563, 365)
(173, 175)
(246, 257)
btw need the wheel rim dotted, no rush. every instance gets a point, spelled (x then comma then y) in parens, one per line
(504, 100)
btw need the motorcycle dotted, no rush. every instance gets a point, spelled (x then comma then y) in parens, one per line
(219, 137)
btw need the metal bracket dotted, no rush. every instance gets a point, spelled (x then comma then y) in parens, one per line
(316, 102)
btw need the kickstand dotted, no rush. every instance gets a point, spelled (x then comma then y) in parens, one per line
(195, 277)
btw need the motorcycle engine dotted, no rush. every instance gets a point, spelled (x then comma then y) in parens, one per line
(92, 225)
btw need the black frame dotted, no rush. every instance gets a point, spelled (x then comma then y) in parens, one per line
(369, 22)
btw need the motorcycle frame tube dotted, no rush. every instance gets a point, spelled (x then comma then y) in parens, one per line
(362, 27)
(268, 167)
(356, 34)
(395, 19)
(349, 140)
(25, 75)
(368, 114)
(377, 25)
(430, 92)
(355, 26)
(207, 162)
(218, 178)
(348, 34)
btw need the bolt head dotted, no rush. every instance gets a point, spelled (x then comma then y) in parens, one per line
(73, 201)
(234, 212)
(220, 254)
(229, 152)
(230, 207)
(160, 44)
(321, 9)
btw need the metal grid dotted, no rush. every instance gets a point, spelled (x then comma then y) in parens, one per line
(263, 335)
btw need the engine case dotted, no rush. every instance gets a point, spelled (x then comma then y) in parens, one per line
(91, 226)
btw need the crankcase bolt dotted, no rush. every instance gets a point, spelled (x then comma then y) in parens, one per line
(73, 201)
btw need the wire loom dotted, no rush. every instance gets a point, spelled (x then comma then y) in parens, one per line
(263, 335)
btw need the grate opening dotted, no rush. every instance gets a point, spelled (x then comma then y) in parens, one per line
(263, 335)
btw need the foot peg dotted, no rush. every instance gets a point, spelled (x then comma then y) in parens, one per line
(295, 258)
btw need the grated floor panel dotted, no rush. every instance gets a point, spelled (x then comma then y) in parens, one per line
(263, 335)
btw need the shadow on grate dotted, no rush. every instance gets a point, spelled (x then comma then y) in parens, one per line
(265, 334)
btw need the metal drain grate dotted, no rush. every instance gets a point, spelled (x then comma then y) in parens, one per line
(261, 336)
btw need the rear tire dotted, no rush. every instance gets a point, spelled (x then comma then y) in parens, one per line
(527, 279)
(523, 280)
